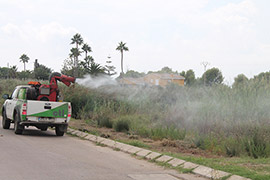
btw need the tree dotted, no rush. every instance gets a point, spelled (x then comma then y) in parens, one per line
(13, 71)
(122, 47)
(41, 72)
(68, 68)
(189, 77)
(240, 80)
(24, 58)
(183, 73)
(263, 76)
(133, 74)
(4, 71)
(74, 53)
(78, 40)
(166, 69)
(90, 67)
(86, 48)
(25, 74)
(213, 76)
(109, 68)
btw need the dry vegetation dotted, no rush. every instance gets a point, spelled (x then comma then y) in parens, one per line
(209, 121)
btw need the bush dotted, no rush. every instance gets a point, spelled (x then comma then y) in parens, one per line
(234, 120)
(104, 121)
(257, 147)
(121, 125)
(233, 147)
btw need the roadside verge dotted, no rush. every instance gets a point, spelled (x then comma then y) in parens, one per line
(157, 157)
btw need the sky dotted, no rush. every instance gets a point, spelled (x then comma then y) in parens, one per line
(232, 35)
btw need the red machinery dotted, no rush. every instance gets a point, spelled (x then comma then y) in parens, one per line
(50, 92)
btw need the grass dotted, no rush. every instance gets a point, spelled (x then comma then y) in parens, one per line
(229, 121)
(136, 143)
(256, 169)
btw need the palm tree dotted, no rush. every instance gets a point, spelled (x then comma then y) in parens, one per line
(91, 67)
(87, 61)
(86, 48)
(78, 40)
(95, 68)
(24, 58)
(122, 47)
(74, 53)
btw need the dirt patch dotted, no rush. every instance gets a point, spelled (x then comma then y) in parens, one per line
(165, 145)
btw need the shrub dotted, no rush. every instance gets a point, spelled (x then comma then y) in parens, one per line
(104, 121)
(256, 146)
(233, 147)
(121, 125)
(199, 142)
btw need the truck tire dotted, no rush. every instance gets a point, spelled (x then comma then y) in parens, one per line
(59, 131)
(18, 129)
(5, 120)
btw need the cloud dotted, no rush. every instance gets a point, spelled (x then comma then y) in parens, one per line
(232, 13)
(42, 33)
(54, 29)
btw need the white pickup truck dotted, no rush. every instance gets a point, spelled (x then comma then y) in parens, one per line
(21, 109)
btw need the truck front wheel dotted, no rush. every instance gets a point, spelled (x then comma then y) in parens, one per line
(60, 130)
(17, 127)
(5, 121)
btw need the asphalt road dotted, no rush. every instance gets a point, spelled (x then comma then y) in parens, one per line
(38, 155)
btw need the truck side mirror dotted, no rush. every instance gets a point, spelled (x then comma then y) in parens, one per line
(6, 96)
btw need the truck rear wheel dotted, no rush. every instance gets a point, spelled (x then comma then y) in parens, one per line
(59, 130)
(17, 127)
(5, 121)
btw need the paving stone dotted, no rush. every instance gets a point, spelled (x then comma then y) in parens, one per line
(95, 139)
(82, 134)
(108, 142)
(90, 137)
(99, 139)
(152, 177)
(77, 133)
(125, 147)
(119, 145)
(143, 153)
(134, 150)
(235, 177)
(176, 162)
(70, 130)
(209, 172)
(190, 177)
(164, 158)
(189, 165)
(217, 174)
(153, 155)
(74, 132)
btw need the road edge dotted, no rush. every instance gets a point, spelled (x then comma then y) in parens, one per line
(157, 157)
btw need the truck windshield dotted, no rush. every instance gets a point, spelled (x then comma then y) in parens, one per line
(14, 94)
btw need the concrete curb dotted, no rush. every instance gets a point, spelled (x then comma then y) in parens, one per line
(157, 157)
(153, 155)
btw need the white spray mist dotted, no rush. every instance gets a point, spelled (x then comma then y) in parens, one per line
(94, 82)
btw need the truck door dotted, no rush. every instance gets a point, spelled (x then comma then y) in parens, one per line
(11, 103)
